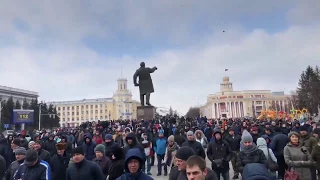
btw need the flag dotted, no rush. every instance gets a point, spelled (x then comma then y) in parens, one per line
(226, 69)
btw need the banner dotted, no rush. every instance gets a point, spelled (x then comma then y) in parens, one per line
(20, 116)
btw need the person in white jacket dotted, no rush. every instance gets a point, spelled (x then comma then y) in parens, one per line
(262, 144)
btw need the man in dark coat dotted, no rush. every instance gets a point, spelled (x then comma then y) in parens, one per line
(145, 82)
(83, 169)
(195, 145)
(88, 147)
(59, 162)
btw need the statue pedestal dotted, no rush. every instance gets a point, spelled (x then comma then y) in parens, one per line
(146, 112)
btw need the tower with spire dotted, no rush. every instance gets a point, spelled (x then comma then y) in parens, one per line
(226, 85)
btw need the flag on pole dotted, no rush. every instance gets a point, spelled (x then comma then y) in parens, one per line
(226, 69)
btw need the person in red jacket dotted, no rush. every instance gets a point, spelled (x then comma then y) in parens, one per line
(98, 138)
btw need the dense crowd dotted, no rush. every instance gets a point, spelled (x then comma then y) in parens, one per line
(127, 149)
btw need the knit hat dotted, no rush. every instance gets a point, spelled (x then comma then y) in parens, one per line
(189, 133)
(217, 131)
(16, 142)
(20, 151)
(246, 136)
(100, 148)
(61, 146)
(305, 127)
(31, 143)
(184, 153)
(293, 133)
(171, 138)
(31, 157)
(108, 136)
(78, 150)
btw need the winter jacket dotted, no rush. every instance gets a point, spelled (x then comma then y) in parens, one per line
(59, 166)
(85, 170)
(256, 171)
(316, 157)
(41, 170)
(89, 148)
(104, 163)
(234, 142)
(278, 143)
(136, 154)
(134, 144)
(160, 146)
(12, 169)
(44, 155)
(219, 153)
(262, 145)
(197, 148)
(110, 147)
(175, 174)
(299, 158)
(3, 166)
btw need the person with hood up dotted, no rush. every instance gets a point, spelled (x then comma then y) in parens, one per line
(133, 166)
(20, 156)
(262, 145)
(250, 153)
(103, 161)
(131, 140)
(256, 171)
(88, 147)
(298, 157)
(117, 166)
(110, 145)
(196, 146)
(220, 153)
(59, 162)
(201, 138)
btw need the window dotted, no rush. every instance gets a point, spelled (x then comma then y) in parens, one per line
(68, 119)
(77, 113)
(91, 111)
(72, 119)
(106, 111)
(77, 119)
(77, 107)
(100, 105)
(87, 112)
(68, 108)
(63, 108)
(58, 108)
(96, 111)
(96, 117)
(91, 106)
(63, 119)
(124, 86)
(72, 113)
(68, 113)
(106, 117)
(72, 107)
(62, 113)
(101, 111)
(101, 117)
(82, 112)
(87, 106)
(96, 106)
(82, 107)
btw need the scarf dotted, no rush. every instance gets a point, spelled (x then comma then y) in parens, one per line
(249, 149)
(172, 148)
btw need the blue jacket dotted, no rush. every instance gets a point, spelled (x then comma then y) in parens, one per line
(41, 170)
(256, 171)
(161, 145)
(134, 153)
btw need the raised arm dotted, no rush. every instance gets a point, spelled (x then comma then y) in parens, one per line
(153, 69)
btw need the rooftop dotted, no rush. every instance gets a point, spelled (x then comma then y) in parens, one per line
(83, 101)
(5, 88)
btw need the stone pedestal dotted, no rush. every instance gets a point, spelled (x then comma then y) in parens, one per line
(146, 112)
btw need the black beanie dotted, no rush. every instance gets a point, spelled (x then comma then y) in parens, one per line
(78, 150)
(184, 153)
(305, 127)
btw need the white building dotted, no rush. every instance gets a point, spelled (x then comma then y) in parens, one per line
(17, 94)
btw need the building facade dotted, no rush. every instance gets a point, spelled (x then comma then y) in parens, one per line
(231, 104)
(120, 106)
(17, 94)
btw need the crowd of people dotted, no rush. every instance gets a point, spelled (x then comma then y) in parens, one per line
(127, 149)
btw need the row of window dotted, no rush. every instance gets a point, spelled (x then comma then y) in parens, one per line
(96, 118)
(82, 107)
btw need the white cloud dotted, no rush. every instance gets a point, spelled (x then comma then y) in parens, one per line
(64, 69)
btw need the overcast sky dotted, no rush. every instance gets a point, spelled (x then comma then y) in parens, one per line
(75, 49)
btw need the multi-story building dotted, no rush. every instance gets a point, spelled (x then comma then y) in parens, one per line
(17, 94)
(230, 104)
(120, 106)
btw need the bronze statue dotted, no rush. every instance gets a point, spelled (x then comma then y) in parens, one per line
(145, 82)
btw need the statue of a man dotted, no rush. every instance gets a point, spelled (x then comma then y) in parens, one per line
(145, 82)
